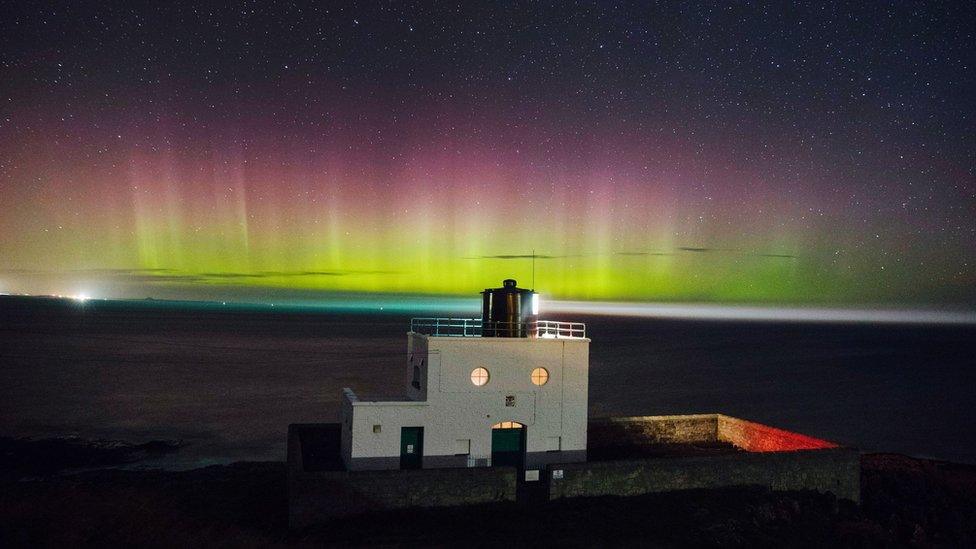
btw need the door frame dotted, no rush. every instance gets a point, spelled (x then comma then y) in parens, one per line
(523, 437)
(416, 460)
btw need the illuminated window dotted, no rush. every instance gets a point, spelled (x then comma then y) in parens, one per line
(540, 376)
(508, 425)
(479, 376)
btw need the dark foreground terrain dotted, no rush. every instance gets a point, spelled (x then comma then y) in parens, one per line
(906, 501)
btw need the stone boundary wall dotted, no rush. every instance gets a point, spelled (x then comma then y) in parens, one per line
(770, 457)
(608, 432)
(756, 437)
(318, 493)
(835, 470)
(699, 428)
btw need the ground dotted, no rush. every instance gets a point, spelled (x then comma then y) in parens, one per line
(905, 501)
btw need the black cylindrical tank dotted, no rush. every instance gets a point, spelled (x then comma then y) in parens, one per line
(507, 311)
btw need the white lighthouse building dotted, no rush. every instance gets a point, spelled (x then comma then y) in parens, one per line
(507, 389)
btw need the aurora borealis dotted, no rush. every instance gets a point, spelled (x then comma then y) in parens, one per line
(708, 153)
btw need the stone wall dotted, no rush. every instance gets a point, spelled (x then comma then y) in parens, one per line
(638, 430)
(758, 455)
(318, 489)
(756, 437)
(699, 428)
(314, 497)
(834, 470)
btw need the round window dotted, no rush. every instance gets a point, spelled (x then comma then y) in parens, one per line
(540, 376)
(479, 376)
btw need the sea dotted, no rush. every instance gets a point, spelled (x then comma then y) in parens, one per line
(226, 380)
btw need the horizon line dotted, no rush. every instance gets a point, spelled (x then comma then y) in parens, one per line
(652, 310)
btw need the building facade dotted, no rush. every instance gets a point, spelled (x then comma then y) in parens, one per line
(507, 389)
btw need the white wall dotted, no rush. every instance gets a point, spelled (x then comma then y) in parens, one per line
(457, 409)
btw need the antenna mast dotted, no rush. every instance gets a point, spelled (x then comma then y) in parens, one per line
(533, 270)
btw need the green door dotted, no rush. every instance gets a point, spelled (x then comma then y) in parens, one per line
(411, 447)
(507, 446)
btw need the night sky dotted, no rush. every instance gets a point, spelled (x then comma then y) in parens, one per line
(707, 152)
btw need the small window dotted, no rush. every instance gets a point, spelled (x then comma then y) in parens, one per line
(479, 376)
(415, 382)
(377, 428)
(540, 376)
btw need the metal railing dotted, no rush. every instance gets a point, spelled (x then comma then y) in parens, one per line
(475, 327)
(450, 327)
(553, 328)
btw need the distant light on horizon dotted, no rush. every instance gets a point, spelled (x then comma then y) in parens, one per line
(761, 313)
(412, 304)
